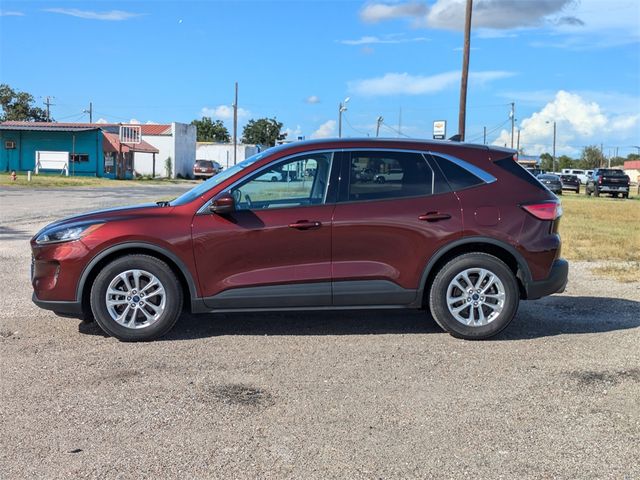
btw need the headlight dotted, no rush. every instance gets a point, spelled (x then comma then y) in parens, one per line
(66, 233)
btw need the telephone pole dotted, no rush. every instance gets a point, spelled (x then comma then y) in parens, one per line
(48, 103)
(518, 147)
(462, 115)
(378, 123)
(235, 126)
(512, 114)
(90, 112)
(485, 135)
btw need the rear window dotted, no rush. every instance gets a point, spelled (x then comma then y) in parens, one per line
(204, 163)
(609, 172)
(515, 169)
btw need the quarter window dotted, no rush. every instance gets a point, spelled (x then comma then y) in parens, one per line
(298, 181)
(457, 176)
(382, 175)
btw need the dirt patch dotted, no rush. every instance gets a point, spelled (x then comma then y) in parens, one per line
(6, 333)
(238, 394)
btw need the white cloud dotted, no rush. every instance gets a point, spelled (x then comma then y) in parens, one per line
(151, 122)
(578, 121)
(134, 121)
(369, 40)
(312, 99)
(376, 11)
(102, 120)
(406, 84)
(449, 14)
(326, 130)
(11, 13)
(223, 112)
(112, 15)
(293, 133)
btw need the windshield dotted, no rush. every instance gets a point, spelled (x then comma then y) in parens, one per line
(204, 187)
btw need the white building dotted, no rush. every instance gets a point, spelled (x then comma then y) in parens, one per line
(177, 141)
(223, 152)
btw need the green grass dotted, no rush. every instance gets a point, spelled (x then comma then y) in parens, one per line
(60, 181)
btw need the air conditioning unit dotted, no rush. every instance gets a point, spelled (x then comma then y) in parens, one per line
(9, 144)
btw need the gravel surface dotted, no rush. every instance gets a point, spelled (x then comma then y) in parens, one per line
(313, 395)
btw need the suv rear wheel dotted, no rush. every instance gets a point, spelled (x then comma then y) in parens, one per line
(474, 296)
(136, 298)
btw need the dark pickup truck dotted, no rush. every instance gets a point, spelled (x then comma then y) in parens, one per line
(608, 180)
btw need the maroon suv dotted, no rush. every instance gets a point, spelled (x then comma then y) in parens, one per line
(459, 229)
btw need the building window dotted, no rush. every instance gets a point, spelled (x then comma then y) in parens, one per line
(78, 157)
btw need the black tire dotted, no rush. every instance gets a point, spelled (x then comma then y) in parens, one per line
(380, 179)
(274, 179)
(446, 275)
(596, 193)
(578, 189)
(172, 299)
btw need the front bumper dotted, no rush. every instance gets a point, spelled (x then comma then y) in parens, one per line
(554, 283)
(63, 308)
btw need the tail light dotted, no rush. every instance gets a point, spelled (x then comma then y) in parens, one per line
(544, 211)
(600, 180)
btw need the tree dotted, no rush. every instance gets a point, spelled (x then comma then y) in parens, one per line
(591, 158)
(211, 131)
(264, 131)
(18, 106)
(564, 161)
(546, 162)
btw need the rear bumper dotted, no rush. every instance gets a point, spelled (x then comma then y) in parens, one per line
(64, 308)
(614, 189)
(554, 283)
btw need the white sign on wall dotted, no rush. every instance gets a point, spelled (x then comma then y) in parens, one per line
(440, 129)
(52, 161)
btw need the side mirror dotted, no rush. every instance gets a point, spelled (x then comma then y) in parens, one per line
(223, 205)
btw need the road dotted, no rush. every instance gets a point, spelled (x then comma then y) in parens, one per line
(313, 395)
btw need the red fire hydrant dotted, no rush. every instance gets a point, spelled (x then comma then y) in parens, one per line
(14, 177)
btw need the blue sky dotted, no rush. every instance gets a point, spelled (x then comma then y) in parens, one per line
(575, 62)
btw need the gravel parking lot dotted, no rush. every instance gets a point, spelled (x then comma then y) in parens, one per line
(313, 395)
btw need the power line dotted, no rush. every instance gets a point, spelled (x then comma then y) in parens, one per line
(354, 128)
(396, 131)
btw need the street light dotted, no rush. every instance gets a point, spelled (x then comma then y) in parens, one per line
(379, 122)
(554, 144)
(342, 107)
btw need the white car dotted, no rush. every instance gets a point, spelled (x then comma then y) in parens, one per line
(392, 176)
(270, 176)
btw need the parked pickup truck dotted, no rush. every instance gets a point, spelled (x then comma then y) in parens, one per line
(608, 180)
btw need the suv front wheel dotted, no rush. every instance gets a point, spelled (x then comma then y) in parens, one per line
(136, 298)
(474, 296)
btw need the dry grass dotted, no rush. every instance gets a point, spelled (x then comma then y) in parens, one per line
(603, 229)
(627, 272)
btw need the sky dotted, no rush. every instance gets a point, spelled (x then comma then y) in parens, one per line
(572, 62)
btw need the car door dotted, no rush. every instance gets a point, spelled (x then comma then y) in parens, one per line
(384, 233)
(274, 250)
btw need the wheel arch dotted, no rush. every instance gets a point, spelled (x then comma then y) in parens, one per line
(505, 252)
(92, 269)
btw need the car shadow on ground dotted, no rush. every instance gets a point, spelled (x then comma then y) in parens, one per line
(556, 315)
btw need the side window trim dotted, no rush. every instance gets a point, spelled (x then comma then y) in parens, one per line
(469, 167)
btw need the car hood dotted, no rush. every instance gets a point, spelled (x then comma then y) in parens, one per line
(106, 215)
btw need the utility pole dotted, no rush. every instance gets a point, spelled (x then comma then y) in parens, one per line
(90, 112)
(485, 135)
(554, 146)
(235, 126)
(48, 103)
(462, 115)
(342, 107)
(400, 122)
(518, 147)
(512, 114)
(378, 123)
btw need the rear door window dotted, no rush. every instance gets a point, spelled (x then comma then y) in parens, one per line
(378, 175)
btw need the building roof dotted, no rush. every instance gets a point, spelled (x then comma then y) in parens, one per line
(48, 126)
(147, 129)
(111, 143)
